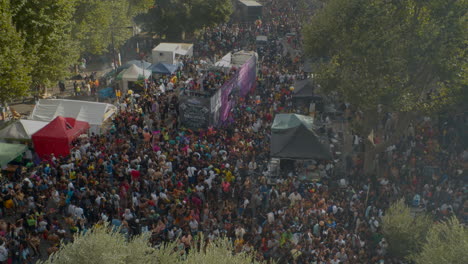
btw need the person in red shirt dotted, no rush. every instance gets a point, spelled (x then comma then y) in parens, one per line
(225, 185)
(135, 175)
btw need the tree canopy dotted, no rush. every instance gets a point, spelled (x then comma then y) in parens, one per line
(406, 55)
(95, 21)
(445, 242)
(46, 29)
(404, 232)
(41, 39)
(172, 18)
(15, 64)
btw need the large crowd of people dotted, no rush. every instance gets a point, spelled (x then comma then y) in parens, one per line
(148, 173)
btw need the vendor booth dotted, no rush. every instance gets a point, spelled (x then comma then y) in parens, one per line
(21, 130)
(57, 136)
(304, 96)
(130, 76)
(248, 10)
(96, 114)
(170, 52)
(140, 63)
(293, 137)
(303, 89)
(163, 68)
(296, 147)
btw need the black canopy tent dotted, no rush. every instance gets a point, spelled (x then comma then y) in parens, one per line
(303, 89)
(304, 94)
(293, 137)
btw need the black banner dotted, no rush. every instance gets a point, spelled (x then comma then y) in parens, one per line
(194, 112)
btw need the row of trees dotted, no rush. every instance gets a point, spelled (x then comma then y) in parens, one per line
(418, 239)
(406, 55)
(175, 18)
(46, 37)
(41, 39)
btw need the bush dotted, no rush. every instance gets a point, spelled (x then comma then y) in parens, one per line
(445, 243)
(404, 232)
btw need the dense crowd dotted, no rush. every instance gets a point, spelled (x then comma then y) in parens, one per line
(149, 174)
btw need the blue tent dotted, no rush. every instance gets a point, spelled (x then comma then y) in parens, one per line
(163, 68)
(106, 93)
(140, 63)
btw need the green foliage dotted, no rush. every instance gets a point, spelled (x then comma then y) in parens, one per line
(390, 52)
(101, 246)
(46, 28)
(97, 20)
(218, 252)
(404, 232)
(172, 18)
(15, 66)
(445, 243)
(136, 7)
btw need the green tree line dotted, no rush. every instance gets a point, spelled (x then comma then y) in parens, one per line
(42, 39)
(406, 55)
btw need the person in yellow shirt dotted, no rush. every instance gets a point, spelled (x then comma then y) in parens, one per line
(229, 176)
(72, 175)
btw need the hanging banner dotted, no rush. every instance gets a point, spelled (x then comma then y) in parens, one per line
(226, 103)
(247, 76)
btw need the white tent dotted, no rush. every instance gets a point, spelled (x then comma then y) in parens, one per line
(225, 61)
(185, 49)
(21, 129)
(133, 74)
(167, 52)
(93, 113)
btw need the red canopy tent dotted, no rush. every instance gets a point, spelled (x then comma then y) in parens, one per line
(56, 137)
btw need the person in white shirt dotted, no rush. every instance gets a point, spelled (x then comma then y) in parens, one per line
(191, 171)
(252, 166)
(3, 252)
(134, 129)
(99, 199)
(78, 154)
(200, 187)
(55, 196)
(240, 232)
(210, 179)
(294, 197)
(170, 87)
(193, 225)
(128, 215)
(79, 213)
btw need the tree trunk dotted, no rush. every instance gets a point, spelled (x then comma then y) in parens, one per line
(402, 123)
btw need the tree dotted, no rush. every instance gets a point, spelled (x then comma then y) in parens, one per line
(173, 18)
(98, 21)
(404, 232)
(15, 66)
(406, 55)
(100, 245)
(446, 242)
(46, 28)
